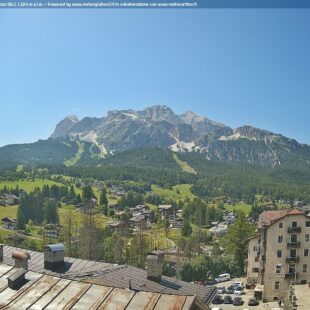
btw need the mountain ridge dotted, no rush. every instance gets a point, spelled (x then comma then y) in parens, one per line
(95, 138)
(159, 126)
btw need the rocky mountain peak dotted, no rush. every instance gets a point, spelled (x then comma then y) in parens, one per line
(63, 127)
(160, 113)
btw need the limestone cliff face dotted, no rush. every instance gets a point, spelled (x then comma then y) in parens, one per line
(159, 126)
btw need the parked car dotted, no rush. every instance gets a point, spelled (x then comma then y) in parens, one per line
(239, 290)
(216, 308)
(237, 284)
(228, 299)
(222, 277)
(218, 299)
(221, 290)
(253, 302)
(230, 290)
(238, 301)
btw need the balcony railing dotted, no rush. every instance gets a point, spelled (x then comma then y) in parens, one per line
(291, 275)
(292, 259)
(294, 245)
(294, 229)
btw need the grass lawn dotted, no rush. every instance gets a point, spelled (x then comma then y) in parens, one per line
(8, 212)
(178, 192)
(77, 216)
(184, 165)
(28, 185)
(245, 208)
(72, 161)
(151, 206)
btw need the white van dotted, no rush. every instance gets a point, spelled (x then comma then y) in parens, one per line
(222, 277)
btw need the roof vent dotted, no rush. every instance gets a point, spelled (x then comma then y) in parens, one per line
(54, 256)
(21, 259)
(17, 279)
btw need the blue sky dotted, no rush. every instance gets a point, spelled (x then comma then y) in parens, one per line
(233, 66)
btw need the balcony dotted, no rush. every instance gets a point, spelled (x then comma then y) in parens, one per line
(294, 229)
(293, 245)
(289, 259)
(291, 275)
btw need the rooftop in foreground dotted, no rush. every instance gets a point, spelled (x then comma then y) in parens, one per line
(41, 291)
(100, 274)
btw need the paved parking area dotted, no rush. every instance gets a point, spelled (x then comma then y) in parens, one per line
(248, 294)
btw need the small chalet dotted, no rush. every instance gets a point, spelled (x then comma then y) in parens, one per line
(219, 229)
(51, 231)
(149, 215)
(116, 227)
(138, 221)
(166, 211)
(9, 199)
(9, 223)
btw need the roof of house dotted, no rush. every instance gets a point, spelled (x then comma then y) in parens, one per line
(267, 218)
(9, 219)
(164, 207)
(42, 291)
(137, 218)
(113, 275)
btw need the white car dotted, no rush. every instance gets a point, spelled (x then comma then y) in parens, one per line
(237, 284)
(239, 290)
(222, 277)
(216, 308)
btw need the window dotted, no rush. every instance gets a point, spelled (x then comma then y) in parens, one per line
(280, 225)
(254, 248)
(278, 268)
(293, 253)
(306, 252)
(277, 285)
(304, 268)
(307, 223)
(255, 270)
(279, 253)
(280, 239)
(294, 238)
(294, 224)
(307, 237)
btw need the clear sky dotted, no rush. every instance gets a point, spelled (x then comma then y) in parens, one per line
(234, 66)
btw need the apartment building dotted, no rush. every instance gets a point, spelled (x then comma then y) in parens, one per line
(279, 253)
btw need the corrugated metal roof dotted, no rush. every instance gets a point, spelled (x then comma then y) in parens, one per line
(48, 292)
(117, 276)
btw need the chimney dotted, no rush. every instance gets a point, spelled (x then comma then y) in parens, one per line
(1, 252)
(54, 256)
(155, 266)
(21, 259)
(17, 279)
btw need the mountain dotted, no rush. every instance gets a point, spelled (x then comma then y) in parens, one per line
(63, 128)
(94, 141)
(159, 126)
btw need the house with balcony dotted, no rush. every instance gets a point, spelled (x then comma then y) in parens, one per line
(279, 253)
